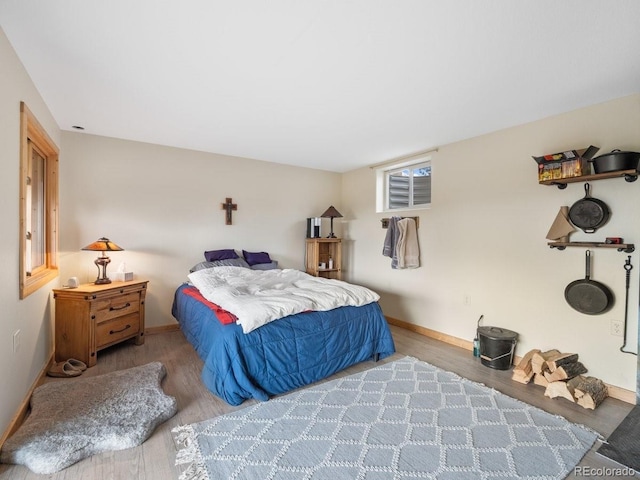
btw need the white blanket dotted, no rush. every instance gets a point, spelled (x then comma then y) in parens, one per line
(257, 297)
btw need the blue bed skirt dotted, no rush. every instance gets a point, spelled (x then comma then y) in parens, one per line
(282, 355)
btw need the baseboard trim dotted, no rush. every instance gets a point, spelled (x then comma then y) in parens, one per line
(427, 332)
(619, 393)
(23, 410)
(161, 329)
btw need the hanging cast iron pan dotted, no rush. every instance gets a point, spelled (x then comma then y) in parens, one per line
(588, 296)
(589, 213)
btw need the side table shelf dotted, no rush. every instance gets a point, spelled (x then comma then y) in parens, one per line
(621, 247)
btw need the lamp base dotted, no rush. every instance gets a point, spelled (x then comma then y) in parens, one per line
(102, 261)
(331, 235)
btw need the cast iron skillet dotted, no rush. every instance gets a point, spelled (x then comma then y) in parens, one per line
(588, 296)
(589, 213)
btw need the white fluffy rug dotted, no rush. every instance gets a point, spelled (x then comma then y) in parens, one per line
(79, 417)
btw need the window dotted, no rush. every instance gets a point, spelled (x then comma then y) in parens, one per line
(404, 186)
(38, 205)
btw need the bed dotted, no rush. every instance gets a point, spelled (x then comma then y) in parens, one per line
(281, 355)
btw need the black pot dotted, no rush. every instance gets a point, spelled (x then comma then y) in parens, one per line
(616, 160)
(590, 213)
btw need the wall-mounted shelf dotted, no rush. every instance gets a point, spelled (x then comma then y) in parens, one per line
(621, 247)
(561, 183)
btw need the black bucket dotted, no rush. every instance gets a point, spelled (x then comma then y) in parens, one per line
(497, 346)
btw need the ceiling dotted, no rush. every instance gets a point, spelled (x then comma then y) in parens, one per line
(327, 84)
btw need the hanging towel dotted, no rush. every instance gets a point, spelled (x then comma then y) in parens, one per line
(407, 249)
(390, 241)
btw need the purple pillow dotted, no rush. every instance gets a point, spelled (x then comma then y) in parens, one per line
(213, 255)
(255, 258)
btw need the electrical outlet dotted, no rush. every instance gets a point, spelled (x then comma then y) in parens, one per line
(466, 299)
(16, 341)
(617, 328)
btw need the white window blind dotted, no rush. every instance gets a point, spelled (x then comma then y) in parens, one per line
(404, 186)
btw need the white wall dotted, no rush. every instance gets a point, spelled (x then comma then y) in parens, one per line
(163, 206)
(30, 316)
(484, 238)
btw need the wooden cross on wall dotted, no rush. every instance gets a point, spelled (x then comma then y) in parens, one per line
(229, 206)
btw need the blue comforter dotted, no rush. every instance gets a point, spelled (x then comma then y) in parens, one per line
(282, 355)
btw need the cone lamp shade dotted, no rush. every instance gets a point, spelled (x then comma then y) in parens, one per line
(331, 213)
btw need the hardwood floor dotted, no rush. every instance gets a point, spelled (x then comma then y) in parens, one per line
(154, 459)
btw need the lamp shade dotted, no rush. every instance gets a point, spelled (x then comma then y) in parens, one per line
(331, 212)
(103, 245)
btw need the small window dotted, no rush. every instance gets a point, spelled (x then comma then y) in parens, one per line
(38, 205)
(404, 186)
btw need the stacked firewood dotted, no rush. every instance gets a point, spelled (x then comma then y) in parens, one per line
(562, 376)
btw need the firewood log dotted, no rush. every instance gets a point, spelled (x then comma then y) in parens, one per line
(539, 360)
(539, 379)
(566, 372)
(560, 360)
(591, 392)
(522, 377)
(523, 372)
(524, 365)
(563, 389)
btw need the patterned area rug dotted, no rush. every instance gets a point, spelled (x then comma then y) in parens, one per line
(402, 420)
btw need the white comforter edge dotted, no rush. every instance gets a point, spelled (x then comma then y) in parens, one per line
(257, 297)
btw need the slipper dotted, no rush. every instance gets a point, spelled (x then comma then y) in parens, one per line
(77, 364)
(63, 370)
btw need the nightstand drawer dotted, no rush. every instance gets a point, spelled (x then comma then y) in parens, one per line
(117, 329)
(116, 306)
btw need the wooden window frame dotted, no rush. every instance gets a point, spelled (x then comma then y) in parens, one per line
(33, 136)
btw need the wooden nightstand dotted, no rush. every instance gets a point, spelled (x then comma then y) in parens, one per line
(327, 251)
(92, 317)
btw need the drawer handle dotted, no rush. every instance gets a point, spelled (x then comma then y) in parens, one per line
(111, 332)
(126, 305)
